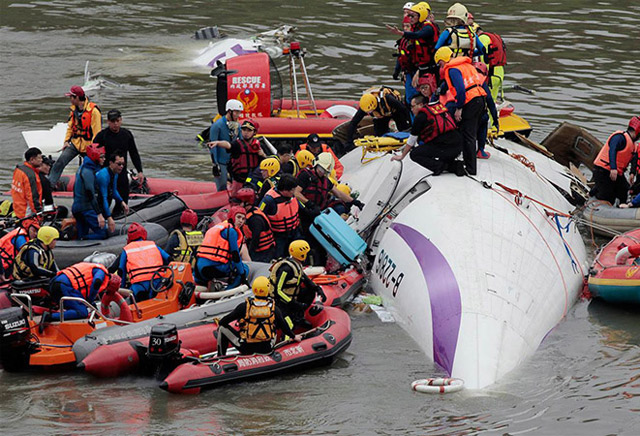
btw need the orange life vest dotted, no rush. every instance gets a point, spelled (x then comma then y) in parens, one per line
(215, 247)
(143, 259)
(80, 276)
(83, 129)
(439, 122)
(265, 238)
(472, 78)
(623, 157)
(325, 147)
(7, 247)
(286, 218)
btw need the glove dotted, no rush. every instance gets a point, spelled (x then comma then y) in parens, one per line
(358, 204)
(312, 210)
(396, 75)
(215, 170)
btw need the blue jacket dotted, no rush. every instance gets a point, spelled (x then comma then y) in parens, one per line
(85, 195)
(220, 132)
(107, 183)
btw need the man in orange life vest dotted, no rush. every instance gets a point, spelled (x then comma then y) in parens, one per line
(26, 187)
(246, 154)
(611, 163)
(82, 280)
(139, 260)
(85, 122)
(282, 208)
(440, 141)
(315, 146)
(257, 229)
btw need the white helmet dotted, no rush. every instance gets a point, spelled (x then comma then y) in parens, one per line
(234, 105)
(325, 161)
(408, 5)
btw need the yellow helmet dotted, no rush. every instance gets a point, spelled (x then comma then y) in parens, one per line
(368, 102)
(299, 249)
(271, 165)
(47, 234)
(261, 287)
(305, 158)
(459, 11)
(423, 9)
(344, 188)
(325, 161)
(443, 54)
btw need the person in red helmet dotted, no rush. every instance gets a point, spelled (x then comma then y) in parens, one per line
(257, 229)
(86, 208)
(12, 242)
(139, 260)
(246, 155)
(612, 161)
(184, 242)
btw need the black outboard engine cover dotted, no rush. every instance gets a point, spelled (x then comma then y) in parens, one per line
(36, 289)
(163, 341)
(11, 319)
(14, 335)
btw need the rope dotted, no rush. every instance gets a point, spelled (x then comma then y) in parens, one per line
(519, 196)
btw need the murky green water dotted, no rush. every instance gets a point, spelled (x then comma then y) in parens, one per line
(580, 57)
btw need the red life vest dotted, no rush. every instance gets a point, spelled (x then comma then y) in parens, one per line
(423, 50)
(7, 247)
(439, 122)
(83, 129)
(623, 157)
(405, 55)
(248, 160)
(472, 78)
(143, 259)
(80, 276)
(265, 238)
(215, 247)
(286, 218)
(318, 190)
(497, 51)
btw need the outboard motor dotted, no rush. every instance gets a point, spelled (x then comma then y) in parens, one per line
(14, 339)
(164, 349)
(37, 289)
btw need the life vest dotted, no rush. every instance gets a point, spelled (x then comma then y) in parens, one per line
(462, 41)
(286, 218)
(291, 285)
(325, 147)
(265, 238)
(8, 248)
(446, 98)
(187, 246)
(248, 159)
(318, 190)
(80, 276)
(258, 324)
(82, 128)
(382, 93)
(423, 50)
(20, 269)
(439, 122)
(623, 157)
(497, 50)
(143, 259)
(405, 55)
(472, 78)
(215, 247)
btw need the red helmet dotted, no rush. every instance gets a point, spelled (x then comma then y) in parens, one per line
(189, 217)
(481, 67)
(135, 232)
(246, 195)
(428, 79)
(634, 123)
(250, 123)
(30, 222)
(235, 210)
(114, 283)
(94, 151)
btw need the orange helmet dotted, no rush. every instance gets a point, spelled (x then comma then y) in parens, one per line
(135, 232)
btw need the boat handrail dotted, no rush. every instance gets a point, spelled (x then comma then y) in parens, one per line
(28, 307)
(89, 306)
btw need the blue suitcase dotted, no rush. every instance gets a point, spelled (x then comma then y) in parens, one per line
(335, 235)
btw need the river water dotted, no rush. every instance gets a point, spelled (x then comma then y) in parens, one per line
(580, 57)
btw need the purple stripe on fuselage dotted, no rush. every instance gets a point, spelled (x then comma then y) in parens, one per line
(444, 294)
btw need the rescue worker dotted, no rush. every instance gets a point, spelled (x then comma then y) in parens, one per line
(269, 171)
(257, 229)
(459, 36)
(434, 142)
(43, 171)
(183, 243)
(282, 208)
(469, 91)
(116, 138)
(82, 280)
(139, 260)
(612, 161)
(383, 104)
(404, 69)
(85, 121)
(26, 187)
(284, 153)
(495, 59)
(483, 126)
(35, 258)
(293, 290)
(315, 146)
(221, 134)
(246, 155)
(12, 242)
(86, 209)
(107, 187)
(219, 255)
(258, 318)
(304, 159)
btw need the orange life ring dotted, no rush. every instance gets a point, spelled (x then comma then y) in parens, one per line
(125, 310)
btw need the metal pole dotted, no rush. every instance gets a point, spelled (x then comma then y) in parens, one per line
(295, 86)
(307, 84)
(291, 72)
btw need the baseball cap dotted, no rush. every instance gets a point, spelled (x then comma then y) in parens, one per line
(76, 91)
(313, 140)
(114, 114)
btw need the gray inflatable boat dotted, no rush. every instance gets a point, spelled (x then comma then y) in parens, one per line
(608, 220)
